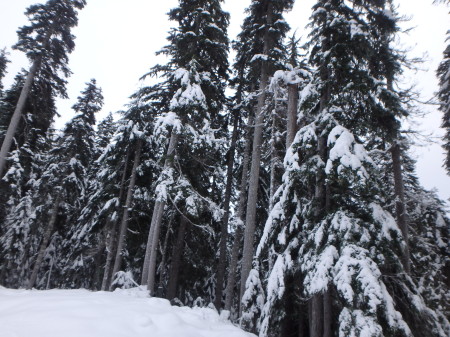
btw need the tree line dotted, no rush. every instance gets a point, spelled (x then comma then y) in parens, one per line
(279, 187)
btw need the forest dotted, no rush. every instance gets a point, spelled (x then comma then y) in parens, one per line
(269, 176)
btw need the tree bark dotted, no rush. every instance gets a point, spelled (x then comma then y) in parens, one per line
(292, 126)
(316, 316)
(15, 119)
(275, 178)
(177, 252)
(224, 225)
(162, 275)
(250, 220)
(399, 190)
(124, 223)
(44, 243)
(231, 281)
(327, 313)
(112, 228)
(152, 243)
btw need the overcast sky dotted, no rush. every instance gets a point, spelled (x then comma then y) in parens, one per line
(116, 42)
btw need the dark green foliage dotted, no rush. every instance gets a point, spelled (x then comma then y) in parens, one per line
(48, 39)
(3, 65)
(444, 98)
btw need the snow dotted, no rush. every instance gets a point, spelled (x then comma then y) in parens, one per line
(347, 151)
(123, 313)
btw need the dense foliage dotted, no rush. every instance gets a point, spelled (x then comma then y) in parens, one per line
(290, 200)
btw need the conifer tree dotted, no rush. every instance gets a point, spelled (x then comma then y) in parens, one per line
(331, 229)
(64, 181)
(47, 41)
(195, 75)
(443, 73)
(266, 27)
(3, 65)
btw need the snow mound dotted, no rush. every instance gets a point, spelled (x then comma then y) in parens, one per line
(123, 313)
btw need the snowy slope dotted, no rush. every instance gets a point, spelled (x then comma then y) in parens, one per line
(123, 313)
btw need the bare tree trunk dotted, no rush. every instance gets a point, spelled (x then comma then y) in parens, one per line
(124, 223)
(231, 281)
(274, 152)
(152, 243)
(164, 252)
(44, 243)
(224, 225)
(316, 316)
(292, 126)
(327, 314)
(112, 228)
(250, 220)
(177, 252)
(399, 190)
(15, 119)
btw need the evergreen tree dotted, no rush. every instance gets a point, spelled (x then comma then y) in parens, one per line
(196, 76)
(267, 28)
(330, 229)
(63, 185)
(443, 73)
(47, 41)
(3, 65)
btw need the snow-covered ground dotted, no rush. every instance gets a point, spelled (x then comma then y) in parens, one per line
(123, 313)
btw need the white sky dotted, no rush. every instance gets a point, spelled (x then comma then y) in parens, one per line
(116, 42)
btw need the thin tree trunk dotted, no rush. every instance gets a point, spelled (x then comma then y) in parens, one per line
(231, 281)
(156, 210)
(109, 254)
(399, 190)
(124, 223)
(112, 228)
(292, 126)
(177, 252)
(327, 313)
(274, 155)
(250, 220)
(15, 119)
(224, 225)
(43, 246)
(164, 251)
(152, 244)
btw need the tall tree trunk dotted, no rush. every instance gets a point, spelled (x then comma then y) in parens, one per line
(399, 190)
(292, 126)
(112, 230)
(320, 304)
(149, 273)
(224, 225)
(162, 275)
(15, 119)
(327, 314)
(44, 243)
(250, 220)
(316, 316)
(231, 281)
(274, 152)
(177, 252)
(124, 223)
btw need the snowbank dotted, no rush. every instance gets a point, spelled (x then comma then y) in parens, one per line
(123, 313)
